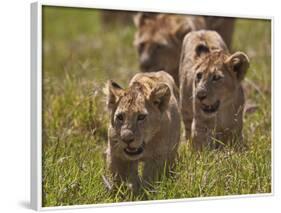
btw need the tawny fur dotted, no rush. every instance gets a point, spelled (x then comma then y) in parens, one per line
(153, 94)
(207, 67)
(159, 38)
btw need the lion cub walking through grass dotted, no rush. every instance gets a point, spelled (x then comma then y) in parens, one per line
(211, 95)
(144, 126)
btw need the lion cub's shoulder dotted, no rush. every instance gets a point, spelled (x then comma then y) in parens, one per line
(194, 42)
(195, 45)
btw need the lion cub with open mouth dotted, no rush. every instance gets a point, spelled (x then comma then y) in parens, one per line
(211, 95)
(144, 126)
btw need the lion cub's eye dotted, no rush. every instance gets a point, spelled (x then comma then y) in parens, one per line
(159, 47)
(216, 77)
(141, 117)
(120, 117)
(199, 76)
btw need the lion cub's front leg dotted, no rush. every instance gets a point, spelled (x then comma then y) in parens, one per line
(200, 136)
(152, 171)
(123, 170)
(186, 110)
(187, 120)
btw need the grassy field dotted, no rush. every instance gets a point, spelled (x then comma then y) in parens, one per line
(79, 56)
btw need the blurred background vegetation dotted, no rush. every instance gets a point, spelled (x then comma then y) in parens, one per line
(80, 53)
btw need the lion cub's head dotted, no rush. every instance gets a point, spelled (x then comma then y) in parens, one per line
(158, 40)
(217, 76)
(135, 116)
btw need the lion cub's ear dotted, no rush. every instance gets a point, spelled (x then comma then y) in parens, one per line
(239, 63)
(160, 96)
(113, 92)
(180, 30)
(140, 18)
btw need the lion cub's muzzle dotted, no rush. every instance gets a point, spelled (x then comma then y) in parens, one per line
(209, 109)
(205, 106)
(132, 150)
(147, 64)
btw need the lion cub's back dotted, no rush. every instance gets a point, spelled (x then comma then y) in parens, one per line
(208, 38)
(204, 38)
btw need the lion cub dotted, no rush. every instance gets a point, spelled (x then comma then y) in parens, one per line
(144, 126)
(211, 95)
(159, 39)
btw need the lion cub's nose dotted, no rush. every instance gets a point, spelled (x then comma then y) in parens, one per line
(145, 62)
(145, 65)
(201, 95)
(127, 136)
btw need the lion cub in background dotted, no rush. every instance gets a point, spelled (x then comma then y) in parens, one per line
(211, 95)
(144, 126)
(159, 39)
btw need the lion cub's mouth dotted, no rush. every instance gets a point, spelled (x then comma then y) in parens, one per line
(211, 108)
(134, 151)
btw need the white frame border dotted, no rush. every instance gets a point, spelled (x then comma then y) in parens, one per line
(36, 106)
(36, 103)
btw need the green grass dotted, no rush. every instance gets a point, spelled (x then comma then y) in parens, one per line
(79, 55)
